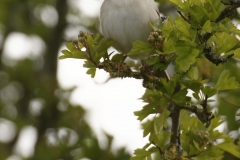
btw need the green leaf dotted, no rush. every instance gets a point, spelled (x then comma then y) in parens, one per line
(89, 64)
(151, 94)
(148, 127)
(66, 52)
(177, 2)
(223, 42)
(140, 47)
(152, 60)
(180, 98)
(184, 28)
(229, 146)
(168, 86)
(214, 124)
(140, 154)
(209, 91)
(163, 138)
(186, 57)
(169, 43)
(193, 73)
(161, 121)
(194, 85)
(225, 25)
(207, 27)
(90, 40)
(146, 111)
(192, 81)
(212, 153)
(76, 53)
(237, 53)
(225, 82)
(92, 72)
(70, 46)
(118, 57)
(103, 45)
(73, 52)
(196, 145)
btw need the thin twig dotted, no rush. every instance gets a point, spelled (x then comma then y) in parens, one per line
(180, 13)
(160, 150)
(231, 103)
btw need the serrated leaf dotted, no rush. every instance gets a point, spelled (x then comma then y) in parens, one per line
(63, 57)
(70, 46)
(88, 64)
(229, 146)
(180, 98)
(207, 27)
(73, 52)
(103, 45)
(92, 72)
(223, 42)
(146, 111)
(237, 53)
(161, 121)
(168, 86)
(90, 40)
(225, 25)
(140, 47)
(146, 146)
(183, 27)
(186, 57)
(211, 153)
(214, 124)
(193, 73)
(169, 43)
(66, 52)
(194, 85)
(140, 154)
(196, 145)
(209, 91)
(151, 94)
(225, 82)
(148, 127)
(163, 138)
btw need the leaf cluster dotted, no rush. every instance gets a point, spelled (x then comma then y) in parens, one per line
(202, 29)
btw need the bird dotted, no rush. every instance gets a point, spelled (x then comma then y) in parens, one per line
(126, 21)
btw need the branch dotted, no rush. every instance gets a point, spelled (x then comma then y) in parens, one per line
(229, 11)
(175, 149)
(159, 149)
(216, 59)
(175, 115)
(119, 69)
(202, 113)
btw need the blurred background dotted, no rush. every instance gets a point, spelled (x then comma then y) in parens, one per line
(50, 109)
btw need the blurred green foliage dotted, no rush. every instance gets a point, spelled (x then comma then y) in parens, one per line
(32, 82)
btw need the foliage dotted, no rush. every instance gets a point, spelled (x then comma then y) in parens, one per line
(203, 30)
(30, 95)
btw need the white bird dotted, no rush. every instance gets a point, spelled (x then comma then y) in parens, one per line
(126, 21)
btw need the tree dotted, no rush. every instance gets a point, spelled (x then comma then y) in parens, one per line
(30, 95)
(202, 42)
